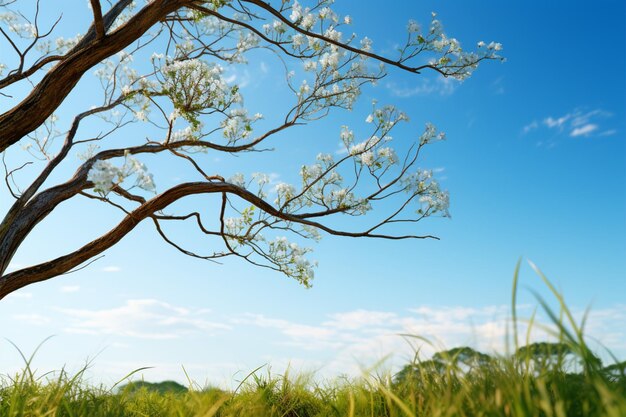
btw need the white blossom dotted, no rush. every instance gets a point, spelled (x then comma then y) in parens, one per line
(298, 40)
(366, 44)
(104, 175)
(237, 179)
(308, 21)
(310, 65)
(367, 158)
(278, 26)
(296, 12)
(141, 116)
(284, 193)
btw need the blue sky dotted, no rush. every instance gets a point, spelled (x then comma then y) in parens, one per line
(535, 162)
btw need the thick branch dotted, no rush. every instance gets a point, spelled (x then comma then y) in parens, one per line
(25, 214)
(97, 18)
(18, 279)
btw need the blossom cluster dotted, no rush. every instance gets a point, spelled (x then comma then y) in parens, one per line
(17, 24)
(238, 124)
(374, 152)
(431, 198)
(323, 185)
(105, 176)
(194, 85)
(290, 258)
(450, 58)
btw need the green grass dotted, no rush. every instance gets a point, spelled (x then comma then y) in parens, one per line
(561, 379)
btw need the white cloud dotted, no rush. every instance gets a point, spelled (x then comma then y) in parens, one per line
(69, 288)
(556, 123)
(575, 124)
(32, 318)
(441, 86)
(144, 318)
(239, 77)
(341, 148)
(609, 132)
(359, 319)
(302, 335)
(498, 86)
(531, 126)
(580, 118)
(20, 294)
(584, 130)
(366, 336)
(111, 268)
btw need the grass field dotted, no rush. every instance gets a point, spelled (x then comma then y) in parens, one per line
(563, 378)
(505, 387)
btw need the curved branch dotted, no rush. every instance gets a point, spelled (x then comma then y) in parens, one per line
(13, 78)
(244, 25)
(18, 279)
(29, 209)
(41, 272)
(397, 63)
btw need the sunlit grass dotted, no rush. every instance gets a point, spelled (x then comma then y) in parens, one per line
(563, 378)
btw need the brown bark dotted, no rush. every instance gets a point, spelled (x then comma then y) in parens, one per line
(44, 271)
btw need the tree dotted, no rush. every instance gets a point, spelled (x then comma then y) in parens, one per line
(465, 356)
(549, 356)
(460, 360)
(161, 64)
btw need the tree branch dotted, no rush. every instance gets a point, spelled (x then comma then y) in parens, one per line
(97, 19)
(396, 63)
(63, 77)
(41, 272)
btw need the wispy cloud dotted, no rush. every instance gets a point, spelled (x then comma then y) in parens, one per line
(497, 86)
(69, 288)
(20, 294)
(367, 335)
(585, 130)
(556, 123)
(111, 268)
(341, 148)
(577, 123)
(143, 318)
(32, 318)
(609, 132)
(240, 77)
(427, 86)
(531, 126)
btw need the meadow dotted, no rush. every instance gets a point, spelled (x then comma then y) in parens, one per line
(560, 378)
